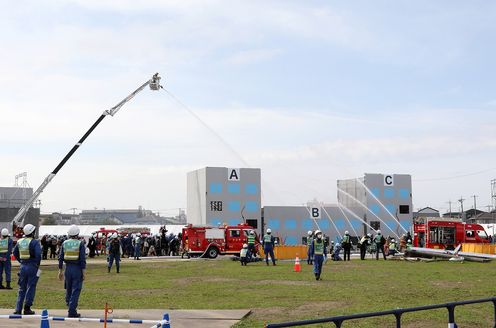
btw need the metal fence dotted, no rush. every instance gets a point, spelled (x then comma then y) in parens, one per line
(338, 321)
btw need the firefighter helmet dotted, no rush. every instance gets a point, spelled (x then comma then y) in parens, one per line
(73, 231)
(346, 232)
(28, 229)
(252, 232)
(309, 232)
(269, 230)
(378, 232)
(245, 245)
(5, 232)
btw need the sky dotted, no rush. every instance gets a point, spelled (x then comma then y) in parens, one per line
(308, 91)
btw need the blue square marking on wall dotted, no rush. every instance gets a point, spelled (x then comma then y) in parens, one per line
(251, 189)
(356, 223)
(252, 206)
(273, 224)
(234, 206)
(290, 224)
(307, 224)
(404, 193)
(234, 222)
(291, 241)
(388, 192)
(376, 192)
(324, 224)
(406, 224)
(233, 187)
(374, 208)
(215, 221)
(216, 188)
(339, 223)
(391, 225)
(391, 209)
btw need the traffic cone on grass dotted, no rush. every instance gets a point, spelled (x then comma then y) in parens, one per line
(297, 266)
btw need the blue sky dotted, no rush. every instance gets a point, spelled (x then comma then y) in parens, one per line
(310, 91)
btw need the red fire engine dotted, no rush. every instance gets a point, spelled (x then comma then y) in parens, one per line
(210, 241)
(446, 233)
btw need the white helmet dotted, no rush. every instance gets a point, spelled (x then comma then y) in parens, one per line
(116, 235)
(369, 235)
(309, 232)
(28, 229)
(317, 232)
(73, 231)
(378, 232)
(269, 230)
(392, 240)
(245, 245)
(409, 240)
(5, 232)
(332, 242)
(110, 236)
(346, 232)
(252, 232)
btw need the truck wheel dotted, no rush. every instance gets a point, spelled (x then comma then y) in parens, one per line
(212, 252)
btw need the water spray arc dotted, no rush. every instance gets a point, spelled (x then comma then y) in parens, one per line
(366, 208)
(355, 216)
(333, 224)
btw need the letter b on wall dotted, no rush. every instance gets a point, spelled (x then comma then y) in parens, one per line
(315, 211)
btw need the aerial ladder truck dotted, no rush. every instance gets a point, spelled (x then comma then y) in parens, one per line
(18, 221)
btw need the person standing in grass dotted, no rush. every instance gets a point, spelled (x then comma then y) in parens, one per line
(73, 254)
(309, 245)
(251, 244)
(115, 252)
(379, 242)
(6, 245)
(269, 242)
(346, 243)
(318, 251)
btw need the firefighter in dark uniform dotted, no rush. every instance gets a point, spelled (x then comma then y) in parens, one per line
(114, 252)
(269, 242)
(73, 253)
(28, 252)
(379, 242)
(364, 243)
(318, 251)
(309, 245)
(251, 245)
(346, 243)
(6, 245)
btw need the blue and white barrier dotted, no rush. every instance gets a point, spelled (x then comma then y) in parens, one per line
(164, 323)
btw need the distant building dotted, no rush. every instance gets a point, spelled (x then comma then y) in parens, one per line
(11, 199)
(426, 212)
(484, 218)
(218, 195)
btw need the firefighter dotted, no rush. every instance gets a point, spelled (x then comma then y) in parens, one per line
(73, 253)
(346, 243)
(269, 242)
(331, 249)
(6, 245)
(309, 244)
(28, 252)
(409, 244)
(243, 255)
(392, 247)
(364, 243)
(137, 247)
(318, 251)
(114, 251)
(379, 244)
(251, 245)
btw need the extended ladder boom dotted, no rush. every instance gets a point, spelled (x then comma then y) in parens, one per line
(18, 220)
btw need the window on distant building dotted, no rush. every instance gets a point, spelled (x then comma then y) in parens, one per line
(404, 209)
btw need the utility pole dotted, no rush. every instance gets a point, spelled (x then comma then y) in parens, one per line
(475, 205)
(449, 202)
(461, 200)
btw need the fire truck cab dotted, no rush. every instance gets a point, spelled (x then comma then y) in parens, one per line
(208, 241)
(444, 233)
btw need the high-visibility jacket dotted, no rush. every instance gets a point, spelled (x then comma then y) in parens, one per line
(251, 239)
(243, 252)
(318, 247)
(309, 241)
(71, 249)
(346, 239)
(4, 245)
(23, 245)
(377, 239)
(392, 246)
(409, 245)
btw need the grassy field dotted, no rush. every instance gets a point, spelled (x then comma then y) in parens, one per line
(277, 294)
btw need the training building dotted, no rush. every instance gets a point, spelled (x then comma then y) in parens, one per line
(221, 195)
(11, 199)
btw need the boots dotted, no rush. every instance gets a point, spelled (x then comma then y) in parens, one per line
(2, 286)
(27, 310)
(108, 269)
(118, 269)
(8, 285)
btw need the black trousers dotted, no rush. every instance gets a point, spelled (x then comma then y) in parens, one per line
(380, 248)
(347, 252)
(363, 251)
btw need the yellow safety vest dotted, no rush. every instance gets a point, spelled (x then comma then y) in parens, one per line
(4, 245)
(318, 247)
(243, 252)
(23, 245)
(71, 249)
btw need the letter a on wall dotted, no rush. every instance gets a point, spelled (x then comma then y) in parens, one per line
(233, 175)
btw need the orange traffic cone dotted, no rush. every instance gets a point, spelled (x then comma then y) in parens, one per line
(297, 266)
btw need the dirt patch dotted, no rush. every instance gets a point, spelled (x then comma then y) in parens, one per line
(448, 284)
(286, 282)
(189, 280)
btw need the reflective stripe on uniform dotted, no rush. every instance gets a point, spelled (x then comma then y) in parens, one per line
(318, 247)
(4, 245)
(267, 239)
(23, 245)
(251, 239)
(71, 249)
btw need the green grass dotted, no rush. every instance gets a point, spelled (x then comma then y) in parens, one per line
(277, 294)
